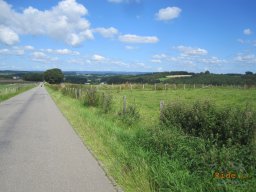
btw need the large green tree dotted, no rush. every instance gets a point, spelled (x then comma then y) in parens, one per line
(53, 76)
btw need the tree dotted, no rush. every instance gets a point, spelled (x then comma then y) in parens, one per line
(53, 76)
(248, 73)
(33, 77)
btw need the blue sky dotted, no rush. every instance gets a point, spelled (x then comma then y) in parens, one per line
(128, 35)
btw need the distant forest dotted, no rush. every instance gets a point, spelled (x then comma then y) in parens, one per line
(173, 77)
(186, 78)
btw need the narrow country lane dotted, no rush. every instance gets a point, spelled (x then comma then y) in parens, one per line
(40, 152)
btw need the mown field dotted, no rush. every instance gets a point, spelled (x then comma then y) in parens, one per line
(9, 90)
(203, 139)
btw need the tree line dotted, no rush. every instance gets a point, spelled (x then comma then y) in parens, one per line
(55, 76)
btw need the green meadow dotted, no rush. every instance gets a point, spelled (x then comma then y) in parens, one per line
(9, 90)
(145, 149)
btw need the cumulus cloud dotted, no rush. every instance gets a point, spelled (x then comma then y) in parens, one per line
(97, 58)
(8, 36)
(212, 60)
(39, 55)
(115, 1)
(106, 32)
(42, 57)
(190, 51)
(29, 47)
(129, 38)
(247, 31)
(62, 51)
(168, 13)
(124, 1)
(246, 58)
(156, 60)
(128, 47)
(187, 60)
(15, 50)
(160, 56)
(12, 52)
(64, 21)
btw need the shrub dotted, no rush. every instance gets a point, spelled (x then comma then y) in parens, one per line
(106, 102)
(91, 97)
(203, 119)
(131, 115)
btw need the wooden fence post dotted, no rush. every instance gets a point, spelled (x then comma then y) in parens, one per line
(161, 107)
(124, 105)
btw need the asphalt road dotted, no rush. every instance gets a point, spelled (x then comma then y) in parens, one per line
(40, 152)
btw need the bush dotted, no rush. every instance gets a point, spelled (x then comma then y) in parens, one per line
(91, 97)
(203, 119)
(131, 115)
(228, 134)
(106, 102)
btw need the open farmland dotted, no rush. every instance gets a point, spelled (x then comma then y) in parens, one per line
(195, 143)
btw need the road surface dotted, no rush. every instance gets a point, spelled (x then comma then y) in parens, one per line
(40, 152)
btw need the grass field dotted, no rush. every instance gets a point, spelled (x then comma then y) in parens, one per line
(9, 90)
(144, 155)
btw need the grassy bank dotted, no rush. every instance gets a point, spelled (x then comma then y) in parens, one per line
(10, 90)
(148, 155)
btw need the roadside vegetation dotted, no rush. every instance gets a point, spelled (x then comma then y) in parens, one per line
(9, 90)
(200, 139)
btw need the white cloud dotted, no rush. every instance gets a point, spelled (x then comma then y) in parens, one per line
(29, 47)
(247, 42)
(124, 1)
(190, 51)
(38, 55)
(65, 22)
(128, 47)
(14, 51)
(62, 51)
(8, 36)
(187, 60)
(115, 1)
(156, 60)
(168, 13)
(212, 60)
(128, 38)
(160, 56)
(106, 32)
(247, 31)
(246, 58)
(98, 58)
(4, 51)
(42, 57)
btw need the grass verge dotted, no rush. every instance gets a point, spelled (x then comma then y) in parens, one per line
(8, 91)
(148, 156)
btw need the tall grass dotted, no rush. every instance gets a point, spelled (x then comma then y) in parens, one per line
(9, 90)
(182, 151)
